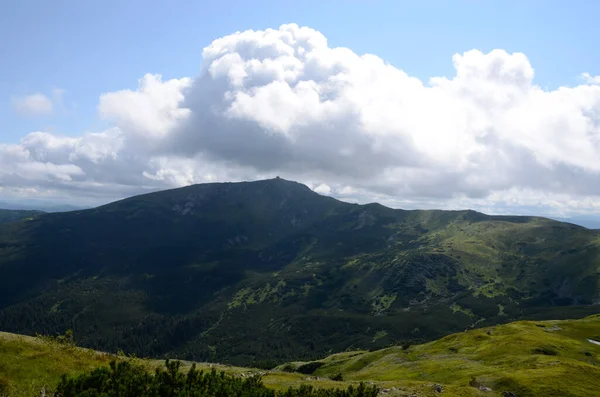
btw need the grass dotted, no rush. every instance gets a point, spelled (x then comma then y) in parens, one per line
(528, 358)
(29, 364)
(549, 358)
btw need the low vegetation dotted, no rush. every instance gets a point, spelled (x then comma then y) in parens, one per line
(526, 358)
(523, 359)
(124, 379)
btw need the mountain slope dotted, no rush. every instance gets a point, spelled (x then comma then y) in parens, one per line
(15, 215)
(528, 359)
(550, 358)
(242, 272)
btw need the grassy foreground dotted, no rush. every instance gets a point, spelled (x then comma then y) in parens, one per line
(526, 358)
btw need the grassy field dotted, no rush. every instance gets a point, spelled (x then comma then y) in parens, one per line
(527, 358)
(27, 364)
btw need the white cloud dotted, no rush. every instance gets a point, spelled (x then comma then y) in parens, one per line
(590, 79)
(151, 111)
(33, 105)
(323, 189)
(282, 102)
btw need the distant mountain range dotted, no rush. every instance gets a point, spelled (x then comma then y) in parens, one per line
(36, 205)
(590, 222)
(243, 272)
(15, 215)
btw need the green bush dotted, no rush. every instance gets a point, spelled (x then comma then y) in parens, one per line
(546, 350)
(124, 379)
(309, 368)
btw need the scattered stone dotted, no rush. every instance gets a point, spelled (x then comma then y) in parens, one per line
(485, 388)
(508, 394)
(438, 388)
(553, 328)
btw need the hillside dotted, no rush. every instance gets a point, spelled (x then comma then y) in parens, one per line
(550, 358)
(528, 359)
(270, 270)
(15, 215)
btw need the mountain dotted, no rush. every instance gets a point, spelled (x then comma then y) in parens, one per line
(15, 215)
(591, 222)
(270, 270)
(38, 205)
(526, 358)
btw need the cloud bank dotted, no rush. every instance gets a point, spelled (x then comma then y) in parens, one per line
(282, 102)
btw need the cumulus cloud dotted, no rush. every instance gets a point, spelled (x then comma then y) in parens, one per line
(151, 111)
(283, 102)
(33, 105)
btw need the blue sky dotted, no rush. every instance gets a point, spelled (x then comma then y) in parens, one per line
(91, 47)
(85, 116)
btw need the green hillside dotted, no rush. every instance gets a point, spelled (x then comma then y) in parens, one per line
(15, 215)
(550, 358)
(527, 359)
(270, 271)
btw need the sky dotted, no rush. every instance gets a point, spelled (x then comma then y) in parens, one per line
(490, 105)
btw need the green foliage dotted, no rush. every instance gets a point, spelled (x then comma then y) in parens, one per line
(309, 368)
(124, 379)
(546, 350)
(528, 359)
(65, 339)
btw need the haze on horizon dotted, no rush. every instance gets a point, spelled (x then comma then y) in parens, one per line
(399, 104)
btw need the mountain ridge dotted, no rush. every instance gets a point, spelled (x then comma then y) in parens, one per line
(269, 269)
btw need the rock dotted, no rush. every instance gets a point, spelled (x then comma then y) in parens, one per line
(508, 394)
(553, 328)
(485, 388)
(438, 388)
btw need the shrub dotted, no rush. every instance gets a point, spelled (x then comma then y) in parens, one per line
(124, 379)
(3, 386)
(338, 377)
(546, 350)
(309, 368)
